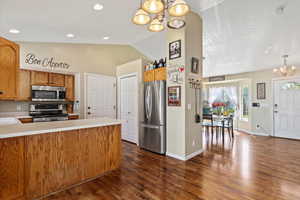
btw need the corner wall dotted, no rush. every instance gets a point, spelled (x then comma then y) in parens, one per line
(184, 136)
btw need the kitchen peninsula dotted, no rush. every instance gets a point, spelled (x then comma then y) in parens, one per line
(38, 159)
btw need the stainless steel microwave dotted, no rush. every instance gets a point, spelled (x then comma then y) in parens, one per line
(48, 93)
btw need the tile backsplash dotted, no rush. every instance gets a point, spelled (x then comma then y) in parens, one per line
(13, 106)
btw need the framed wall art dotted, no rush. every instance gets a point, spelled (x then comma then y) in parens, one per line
(195, 65)
(174, 96)
(261, 90)
(175, 49)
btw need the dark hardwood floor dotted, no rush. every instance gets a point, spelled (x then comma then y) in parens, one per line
(251, 167)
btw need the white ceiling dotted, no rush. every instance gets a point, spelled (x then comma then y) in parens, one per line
(239, 35)
(242, 36)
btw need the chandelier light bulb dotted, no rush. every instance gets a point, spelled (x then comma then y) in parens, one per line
(156, 26)
(141, 17)
(179, 8)
(176, 23)
(153, 6)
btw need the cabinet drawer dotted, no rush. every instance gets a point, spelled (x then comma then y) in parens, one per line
(73, 117)
(26, 120)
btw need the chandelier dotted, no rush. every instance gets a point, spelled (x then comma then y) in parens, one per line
(154, 13)
(285, 70)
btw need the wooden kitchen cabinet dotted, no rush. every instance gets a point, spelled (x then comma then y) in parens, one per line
(149, 76)
(160, 74)
(23, 85)
(39, 78)
(57, 80)
(70, 87)
(12, 168)
(9, 64)
(26, 120)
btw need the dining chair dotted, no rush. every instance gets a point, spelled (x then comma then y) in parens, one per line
(208, 123)
(225, 123)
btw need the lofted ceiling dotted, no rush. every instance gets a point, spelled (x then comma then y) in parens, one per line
(243, 36)
(239, 36)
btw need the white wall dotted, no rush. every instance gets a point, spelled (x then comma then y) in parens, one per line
(184, 136)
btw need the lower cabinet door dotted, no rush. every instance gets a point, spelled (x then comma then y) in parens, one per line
(11, 168)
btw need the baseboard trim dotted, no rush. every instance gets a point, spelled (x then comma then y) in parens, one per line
(175, 156)
(185, 158)
(196, 153)
(252, 133)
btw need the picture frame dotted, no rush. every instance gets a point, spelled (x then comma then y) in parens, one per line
(175, 49)
(261, 91)
(174, 96)
(195, 65)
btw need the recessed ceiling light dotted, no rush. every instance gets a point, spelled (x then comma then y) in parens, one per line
(14, 31)
(98, 7)
(70, 35)
(106, 38)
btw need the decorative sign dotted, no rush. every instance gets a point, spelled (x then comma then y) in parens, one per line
(176, 73)
(195, 65)
(261, 90)
(216, 78)
(174, 96)
(50, 62)
(175, 49)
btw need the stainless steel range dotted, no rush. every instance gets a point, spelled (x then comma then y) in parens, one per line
(46, 112)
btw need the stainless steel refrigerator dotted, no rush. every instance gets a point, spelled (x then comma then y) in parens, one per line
(152, 134)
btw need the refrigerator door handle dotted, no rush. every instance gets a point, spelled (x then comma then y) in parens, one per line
(147, 99)
(150, 126)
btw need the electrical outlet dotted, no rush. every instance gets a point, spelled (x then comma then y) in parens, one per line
(257, 126)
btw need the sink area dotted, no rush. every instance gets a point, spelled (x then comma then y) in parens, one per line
(9, 121)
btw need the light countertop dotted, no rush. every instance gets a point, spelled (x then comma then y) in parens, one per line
(9, 131)
(17, 115)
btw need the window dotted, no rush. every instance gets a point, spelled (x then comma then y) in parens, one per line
(245, 100)
(226, 95)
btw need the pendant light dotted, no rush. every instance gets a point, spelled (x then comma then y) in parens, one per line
(179, 8)
(176, 23)
(141, 17)
(285, 70)
(153, 6)
(156, 26)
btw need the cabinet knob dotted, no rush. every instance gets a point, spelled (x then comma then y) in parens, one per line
(1, 92)
(89, 113)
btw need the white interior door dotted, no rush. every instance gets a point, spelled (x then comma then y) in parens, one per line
(100, 96)
(128, 106)
(287, 108)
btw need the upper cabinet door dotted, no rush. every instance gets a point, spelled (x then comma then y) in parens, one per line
(70, 87)
(23, 85)
(56, 79)
(39, 78)
(9, 63)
